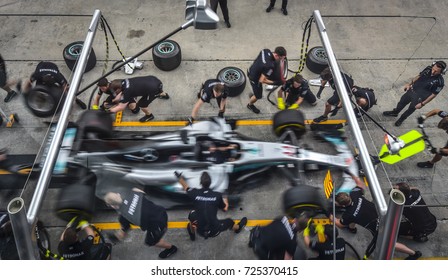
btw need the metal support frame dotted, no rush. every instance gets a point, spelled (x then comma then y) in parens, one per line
(365, 157)
(391, 224)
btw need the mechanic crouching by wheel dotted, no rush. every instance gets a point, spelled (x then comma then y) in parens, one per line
(112, 99)
(419, 222)
(136, 208)
(359, 210)
(148, 87)
(212, 88)
(324, 245)
(293, 92)
(276, 241)
(47, 74)
(74, 247)
(203, 219)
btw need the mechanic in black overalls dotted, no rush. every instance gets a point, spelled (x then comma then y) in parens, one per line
(419, 222)
(71, 247)
(203, 219)
(136, 208)
(438, 152)
(212, 88)
(276, 241)
(325, 248)
(327, 77)
(4, 82)
(258, 73)
(293, 92)
(112, 99)
(47, 74)
(148, 87)
(365, 99)
(420, 91)
(358, 210)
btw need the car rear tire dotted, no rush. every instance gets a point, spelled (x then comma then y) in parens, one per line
(167, 55)
(316, 59)
(97, 122)
(297, 200)
(234, 79)
(76, 200)
(71, 55)
(43, 101)
(289, 119)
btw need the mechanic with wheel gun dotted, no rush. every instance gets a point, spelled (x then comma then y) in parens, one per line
(438, 152)
(258, 73)
(419, 222)
(148, 87)
(327, 77)
(203, 219)
(71, 247)
(105, 87)
(359, 210)
(47, 74)
(420, 91)
(277, 240)
(212, 88)
(293, 92)
(135, 208)
(324, 245)
(4, 83)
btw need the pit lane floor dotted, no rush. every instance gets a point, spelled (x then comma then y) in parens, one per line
(382, 44)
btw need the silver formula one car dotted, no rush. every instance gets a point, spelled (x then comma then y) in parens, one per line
(105, 163)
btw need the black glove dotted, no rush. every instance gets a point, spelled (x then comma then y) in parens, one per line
(190, 120)
(221, 114)
(321, 88)
(178, 174)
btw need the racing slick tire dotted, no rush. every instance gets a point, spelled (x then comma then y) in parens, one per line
(43, 101)
(297, 200)
(234, 79)
(280, 72)
(316, 59)
(289, 119)
(167, 55)
(71, 55)
(76, 200)
(97, 122)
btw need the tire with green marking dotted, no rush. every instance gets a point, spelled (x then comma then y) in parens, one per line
(289, 119)
(297, 200)
(316, 59)
(71, 55)
(234, 79)
(167, 55)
